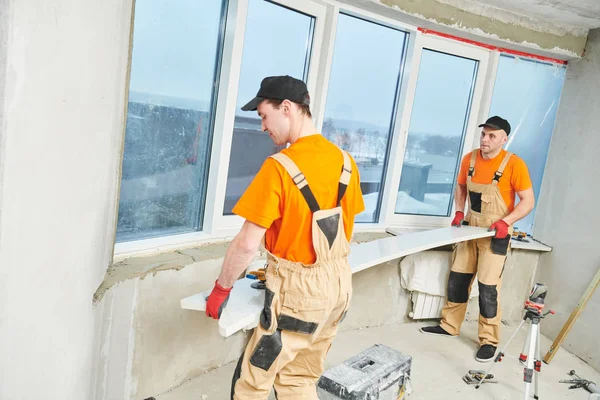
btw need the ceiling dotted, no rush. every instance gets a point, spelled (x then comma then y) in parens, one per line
(583, 14)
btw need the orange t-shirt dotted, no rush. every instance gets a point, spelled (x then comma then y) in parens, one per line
(274, 202)
(514, 179)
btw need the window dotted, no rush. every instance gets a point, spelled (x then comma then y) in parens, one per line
(361, 100)
(526, 93)
(175, 59)
(278, 41)
(437, 129)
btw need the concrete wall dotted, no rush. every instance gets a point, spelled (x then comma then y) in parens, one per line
(567, 216)
(4, 30)
(150, 344)
(65, 64)
(174, 345)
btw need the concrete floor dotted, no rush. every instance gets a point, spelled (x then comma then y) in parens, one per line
(437, 367)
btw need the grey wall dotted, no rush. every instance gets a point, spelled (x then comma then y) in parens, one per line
(62, 85)
(568, 215)
(4, 29)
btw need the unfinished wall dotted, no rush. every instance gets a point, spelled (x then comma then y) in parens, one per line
(62, 113)
(568, 216)
(378, 299)
(4, 29)
(173, 345)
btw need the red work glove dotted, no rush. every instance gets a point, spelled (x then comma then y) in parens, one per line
(501, 229)
(458, 219)
(217, 300)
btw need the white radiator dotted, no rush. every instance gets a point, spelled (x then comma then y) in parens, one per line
(426, 306)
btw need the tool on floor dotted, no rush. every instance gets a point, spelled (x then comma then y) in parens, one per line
(261, 276)
(571, 321)
(530, 355)
(581, 383)
(474, 376)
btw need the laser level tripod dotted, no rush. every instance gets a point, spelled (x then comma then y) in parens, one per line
(531, 348)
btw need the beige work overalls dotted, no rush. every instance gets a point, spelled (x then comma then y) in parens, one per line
(486, 257)
(303, 306)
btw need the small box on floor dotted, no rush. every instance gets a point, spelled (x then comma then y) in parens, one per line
(378, 372)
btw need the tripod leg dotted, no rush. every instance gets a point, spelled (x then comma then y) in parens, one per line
(528, 371)
(538, 365)
(500, 354)
(523, 355)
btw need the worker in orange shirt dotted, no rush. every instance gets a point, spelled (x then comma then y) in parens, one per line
(489, 177)
(303, 201)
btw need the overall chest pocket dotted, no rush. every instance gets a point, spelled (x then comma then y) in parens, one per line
(488, 203)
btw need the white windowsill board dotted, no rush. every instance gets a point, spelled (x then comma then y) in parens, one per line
(245, 304)
(532, 244)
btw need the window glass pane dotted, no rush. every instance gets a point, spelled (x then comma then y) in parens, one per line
(278, 42)
(361, 100)
(526, 93)
(436, 133)
(176, 48)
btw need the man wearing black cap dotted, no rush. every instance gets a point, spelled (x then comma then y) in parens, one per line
(303, 202)
(489, 178)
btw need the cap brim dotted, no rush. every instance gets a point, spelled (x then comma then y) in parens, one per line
(491, 126)
(252, 105)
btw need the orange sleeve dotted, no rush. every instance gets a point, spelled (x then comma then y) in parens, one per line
(352, 202)
(520, 179)
(464, 168)
(261, 202)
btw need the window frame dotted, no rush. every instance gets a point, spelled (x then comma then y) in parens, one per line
(452, 47)
(216, 223)
(130, 246)
(218, 227)
(487, 103)
(399, 97)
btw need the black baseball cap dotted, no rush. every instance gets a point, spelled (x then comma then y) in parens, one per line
(497, 122)
(279, 88)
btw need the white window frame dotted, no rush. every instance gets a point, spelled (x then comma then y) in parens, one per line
(396, 151)
(452, 47)
(236, 14)
(488, 92)
(215, 222)
(331, 34)
(216, 226)
(329, 47)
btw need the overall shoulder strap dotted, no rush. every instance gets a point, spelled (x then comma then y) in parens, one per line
(498, 174)
(344, 177)
(299, 179)
(472, 164)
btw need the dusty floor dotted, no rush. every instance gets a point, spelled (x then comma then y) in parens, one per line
(437, 367)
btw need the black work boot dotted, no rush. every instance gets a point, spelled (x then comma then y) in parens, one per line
(486, 353)
(436, 330)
